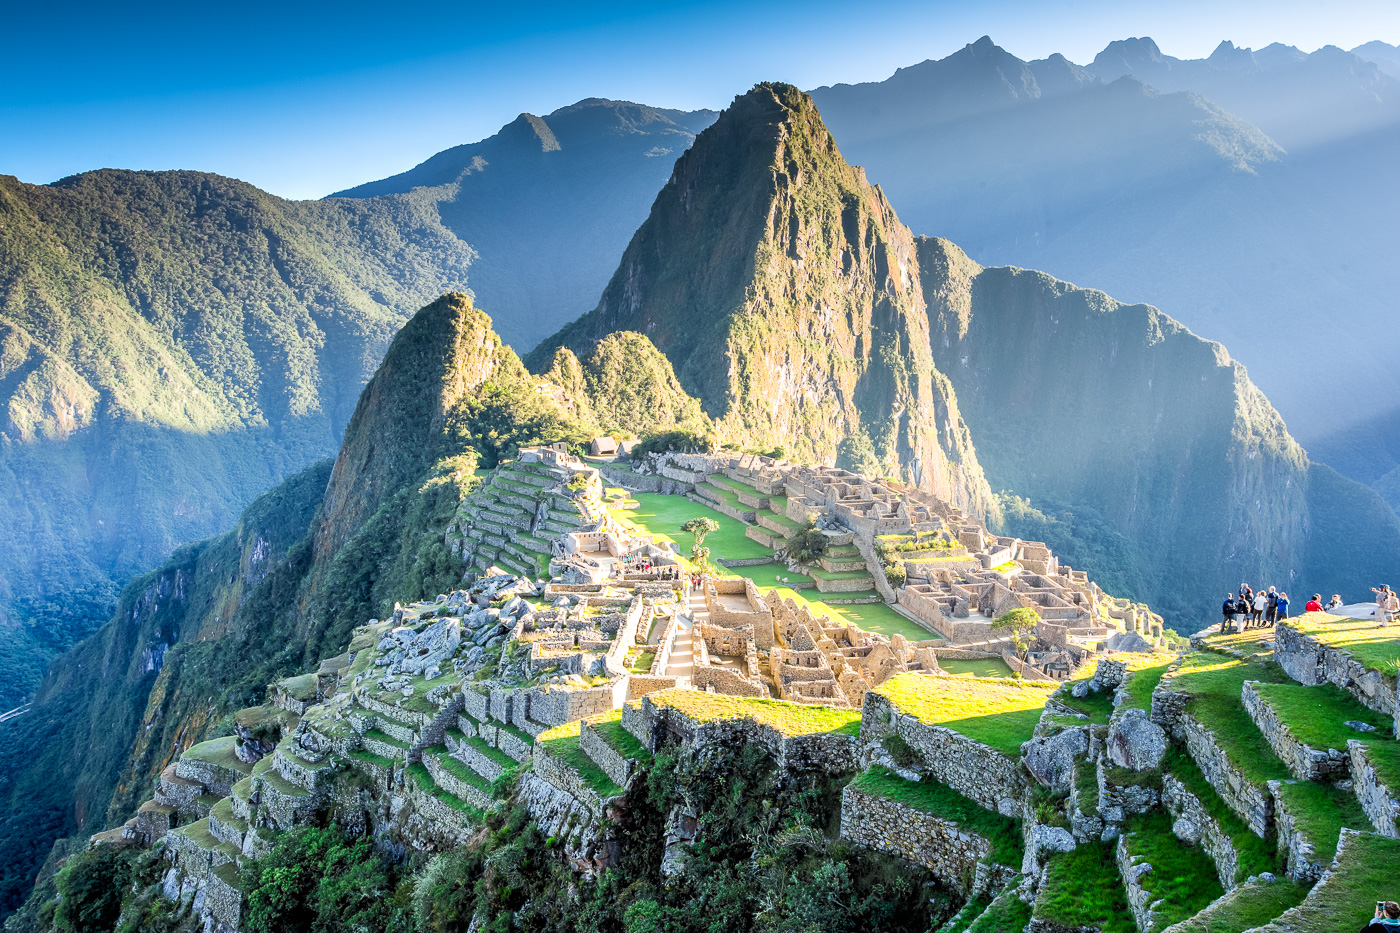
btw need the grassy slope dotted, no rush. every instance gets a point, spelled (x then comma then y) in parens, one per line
(788, 718)
(1002, 714)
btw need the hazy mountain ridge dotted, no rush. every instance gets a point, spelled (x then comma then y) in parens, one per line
(572, 186)
(1164, 197)
(1117, 418)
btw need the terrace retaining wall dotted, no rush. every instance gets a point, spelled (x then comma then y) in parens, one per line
(1310, 662)
(1304, 762)
(1212, 838)
(949, 851)
(1378, 801)
(977, 771)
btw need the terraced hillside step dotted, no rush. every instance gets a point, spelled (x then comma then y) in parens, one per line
(560, 760)
(1307, 727)
(1199, 703)
(437, 802)
(1309, 819)
(485, 760)
(457, 779)
(1083, 889)
(384, 745)
(1346, 898)
(1245, 908)
(1179, 884)
(930, 824)
(527, 478)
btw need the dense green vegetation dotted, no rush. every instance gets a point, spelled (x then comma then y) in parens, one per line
(1183, 878)
(198, 339)
(763, 861)
(1083, 888)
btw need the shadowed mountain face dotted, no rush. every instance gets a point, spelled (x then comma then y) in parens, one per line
(1100, 176)
(785, 292)
(1147, 454)
(548, 204)
(1386, 57)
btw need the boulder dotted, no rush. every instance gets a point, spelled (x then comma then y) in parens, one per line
(1135, 741)
(1128, 641)
(1051, 759)
(1187, 831)
(1359, 726)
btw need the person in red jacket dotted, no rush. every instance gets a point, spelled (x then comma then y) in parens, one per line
(1314, 604)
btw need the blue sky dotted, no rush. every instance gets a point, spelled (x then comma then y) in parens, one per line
(306, 98)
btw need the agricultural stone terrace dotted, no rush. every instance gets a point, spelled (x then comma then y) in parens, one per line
(1244, 788)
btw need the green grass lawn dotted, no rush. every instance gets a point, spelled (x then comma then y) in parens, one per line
(562, 743)
(1256, 855)
(1183, 877)
(1144, 679)
(1247, 907)
(1347, 899)
(999, 713)
(977, 667)
(1321, 811)
(873, 617)
(945, 803)
(766, 575)
(1007, 913)
(1315, 714)
(609, 726)
(1372, 646)
(1096, 704)
(1214, 681)
(787, 718)
(657, 514)
(1083, 888)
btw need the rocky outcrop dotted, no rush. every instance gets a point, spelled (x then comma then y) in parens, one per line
(1135, 742)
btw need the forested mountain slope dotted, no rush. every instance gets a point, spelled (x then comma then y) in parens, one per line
(171, 345)
(203, 634)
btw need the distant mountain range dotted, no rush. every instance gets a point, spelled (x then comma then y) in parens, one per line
(548, 203)
(1249, 195)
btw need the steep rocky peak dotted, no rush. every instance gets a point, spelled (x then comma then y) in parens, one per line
(445, 352)
(530, 131)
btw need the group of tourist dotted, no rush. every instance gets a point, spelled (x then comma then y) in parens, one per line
(1249, 608)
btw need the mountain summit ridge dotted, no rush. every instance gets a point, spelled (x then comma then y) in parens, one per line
(784, 290)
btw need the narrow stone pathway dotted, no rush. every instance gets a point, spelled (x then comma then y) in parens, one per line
(682, 663)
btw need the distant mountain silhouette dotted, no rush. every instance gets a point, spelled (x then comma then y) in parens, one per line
(549, 203)
(1197, 204)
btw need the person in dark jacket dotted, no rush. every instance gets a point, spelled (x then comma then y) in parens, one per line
(1227, 610)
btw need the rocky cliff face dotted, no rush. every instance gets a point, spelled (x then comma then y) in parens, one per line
(1103, 412)
(786, 294)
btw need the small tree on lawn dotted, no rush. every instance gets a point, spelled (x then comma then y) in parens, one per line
(1019, 625)
(699, 527)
